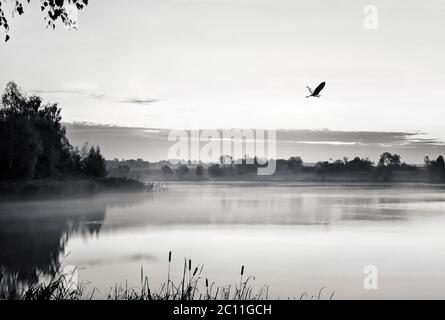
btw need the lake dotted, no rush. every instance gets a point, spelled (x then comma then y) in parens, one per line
(294, 237)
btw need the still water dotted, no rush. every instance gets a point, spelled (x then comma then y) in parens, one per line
(294, 237)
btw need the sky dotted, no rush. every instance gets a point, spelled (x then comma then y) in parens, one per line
(240, 64)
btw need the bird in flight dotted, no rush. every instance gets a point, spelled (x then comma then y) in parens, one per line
(316, 92)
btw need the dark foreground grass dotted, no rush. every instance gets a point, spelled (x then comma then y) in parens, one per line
(192, 286)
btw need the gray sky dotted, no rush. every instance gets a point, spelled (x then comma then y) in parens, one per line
(312, 145)
(238, 63)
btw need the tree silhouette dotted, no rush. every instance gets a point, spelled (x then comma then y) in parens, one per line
(215, 170)
(295, 163)
(166, 170)
(34, 142)
(389, 160)
(94, 163)
(199, 170)
(53, 10)
(182, 170)
(436, 168)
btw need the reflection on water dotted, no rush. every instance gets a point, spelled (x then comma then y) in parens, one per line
(292, 236)
(33, 234)
(33, 240)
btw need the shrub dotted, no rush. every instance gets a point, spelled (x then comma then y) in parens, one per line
(199, 171)
(182, 170)
(166, 170)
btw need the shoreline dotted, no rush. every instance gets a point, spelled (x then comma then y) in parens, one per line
(47, 188)
(52, 188)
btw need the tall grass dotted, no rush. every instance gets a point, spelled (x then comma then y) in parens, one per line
(57, 287)
(192, 286)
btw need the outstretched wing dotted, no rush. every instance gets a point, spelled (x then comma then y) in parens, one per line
(310, 90)
(319, 88)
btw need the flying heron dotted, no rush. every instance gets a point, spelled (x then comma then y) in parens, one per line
(316, 92)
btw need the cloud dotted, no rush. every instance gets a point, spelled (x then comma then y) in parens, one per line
(140, 101)
(312, 144)
(96, 95)
(81, 93)
(304, 136)
(56, 91)
(324, 136)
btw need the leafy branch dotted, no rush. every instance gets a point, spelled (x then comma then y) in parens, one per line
(53, 10)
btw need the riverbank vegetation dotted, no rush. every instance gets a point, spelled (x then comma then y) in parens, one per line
(36, 156)
(193, 285)
(389, 168)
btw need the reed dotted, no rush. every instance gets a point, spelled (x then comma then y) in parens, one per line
(192, 286)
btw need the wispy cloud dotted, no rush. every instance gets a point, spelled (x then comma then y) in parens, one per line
(312, 145)
(96, 96)
(140, 101)
(38, 91)
(81, 93)
(306, 136)
(325, 136)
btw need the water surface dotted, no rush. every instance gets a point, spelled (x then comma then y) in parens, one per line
(295, 237)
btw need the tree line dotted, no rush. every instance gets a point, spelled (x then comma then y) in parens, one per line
(383, 170)
(34, 145)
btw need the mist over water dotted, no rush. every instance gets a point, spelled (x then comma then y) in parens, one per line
(295, 237)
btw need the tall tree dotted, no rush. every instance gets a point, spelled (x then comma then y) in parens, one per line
(33, 141)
